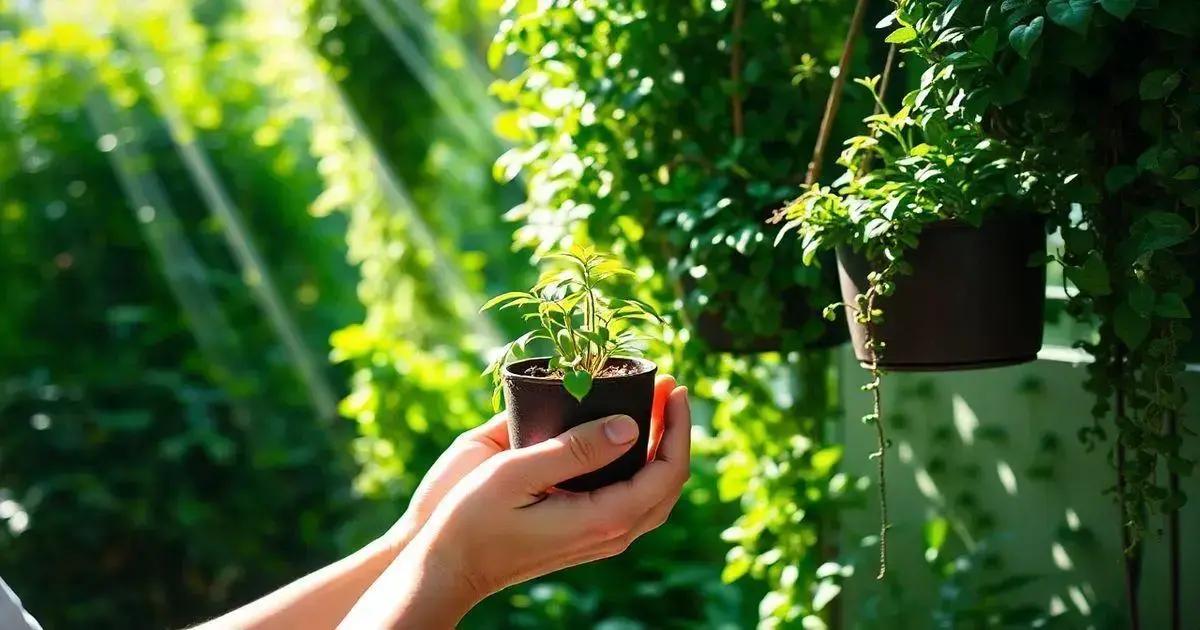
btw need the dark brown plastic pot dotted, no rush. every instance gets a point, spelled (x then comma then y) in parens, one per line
(971, 301)
(800, 311)
(540, 408)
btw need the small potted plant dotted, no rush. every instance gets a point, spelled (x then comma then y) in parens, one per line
(593, 370)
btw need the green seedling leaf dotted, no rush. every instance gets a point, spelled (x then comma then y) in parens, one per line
(1024, 36)
(578, 383)
(505, 297)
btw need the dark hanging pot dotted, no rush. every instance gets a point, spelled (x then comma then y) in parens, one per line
(539, 408)
(801, 324)
(971, 301)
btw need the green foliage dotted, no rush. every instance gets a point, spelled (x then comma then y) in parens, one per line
(584, 326)
(671, 130)
(1104, 104)
(147, 406)
(666, 132)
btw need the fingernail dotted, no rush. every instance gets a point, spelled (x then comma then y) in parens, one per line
(620, 429)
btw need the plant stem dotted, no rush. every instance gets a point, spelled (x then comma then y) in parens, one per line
(881, 439)
(834, 102)
(1129, 555)
(735, 70)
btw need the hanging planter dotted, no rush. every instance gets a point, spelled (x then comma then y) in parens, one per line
(800, 325)
(972, 300)
(540, 407)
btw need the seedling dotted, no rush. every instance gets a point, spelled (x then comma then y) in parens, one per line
(584, 326)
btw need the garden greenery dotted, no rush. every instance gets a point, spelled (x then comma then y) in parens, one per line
(666, 132)
(584, 326)
(1099, 99)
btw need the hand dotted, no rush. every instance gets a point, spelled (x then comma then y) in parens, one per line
(505, 523)
(465, 454)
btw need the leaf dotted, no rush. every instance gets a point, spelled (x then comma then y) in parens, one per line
(578, 383)
(504, 297)
(1141, 299)
(1119, 8)
(1072, 14)
(1171, 306)
(1119, 177)
(902, 35)
(1092, 276)
(827, 589)
(1158, 230)
(1159, 84)
(1024, 36)
(1130, 327)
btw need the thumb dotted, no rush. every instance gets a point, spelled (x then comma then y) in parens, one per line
(580, 450)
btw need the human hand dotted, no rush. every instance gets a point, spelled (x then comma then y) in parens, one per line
(469, 450)
(505, 523)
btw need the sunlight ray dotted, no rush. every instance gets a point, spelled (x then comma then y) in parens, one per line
(258, 275)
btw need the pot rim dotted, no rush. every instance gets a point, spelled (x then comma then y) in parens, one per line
(647, 366)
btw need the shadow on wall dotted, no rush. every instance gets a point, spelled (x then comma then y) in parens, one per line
(1000, 515)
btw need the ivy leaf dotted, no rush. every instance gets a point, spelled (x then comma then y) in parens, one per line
(1024, 36)
(1158, 230)
(1072, 14)
(1172, 306)
(1130, 327)
(902, 35)
(1141, 299)
(1159, 84)
(1119, 177)
(578, 383)
(1092, 276)
(1119, 8)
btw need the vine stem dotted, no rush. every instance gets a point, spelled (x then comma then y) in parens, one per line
(834, 102)
(1128, 555)
(735, 70)
(881, 438)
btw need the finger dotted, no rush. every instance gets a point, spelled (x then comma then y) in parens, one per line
(492, 434)
(654, 518)
(581, 450)
(676, 442)
(662, 478)
(663, 386)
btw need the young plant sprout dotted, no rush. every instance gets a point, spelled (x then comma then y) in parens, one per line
(584, 327)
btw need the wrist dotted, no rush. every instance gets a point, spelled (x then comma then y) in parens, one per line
(399, 535)
(423, 587)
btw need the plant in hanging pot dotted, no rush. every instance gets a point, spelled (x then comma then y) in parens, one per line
(593, 370)
(668, 132)
(940, 254)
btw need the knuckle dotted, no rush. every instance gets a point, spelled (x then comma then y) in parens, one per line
(582, 450)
